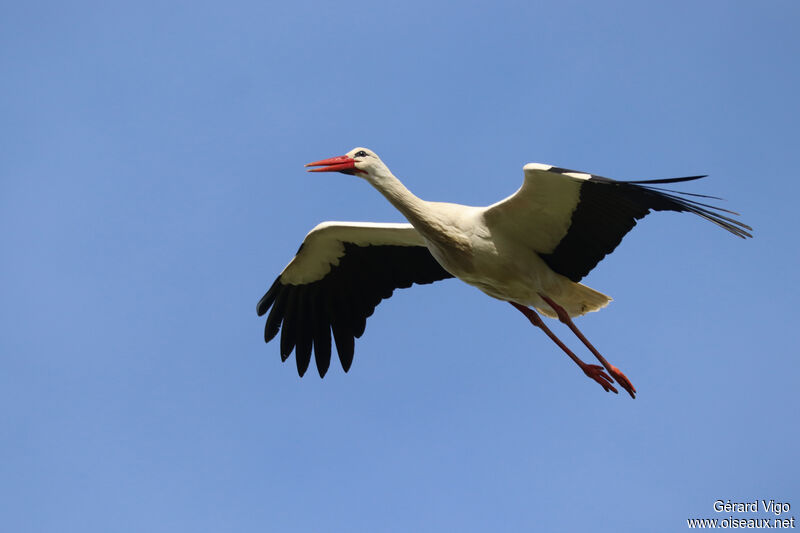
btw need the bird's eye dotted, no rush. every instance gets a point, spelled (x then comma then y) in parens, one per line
(361, 153)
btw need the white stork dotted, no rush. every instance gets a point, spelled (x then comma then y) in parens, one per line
(531, 250)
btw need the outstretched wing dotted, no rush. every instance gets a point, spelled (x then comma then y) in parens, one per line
(573, 219)
(340, 273)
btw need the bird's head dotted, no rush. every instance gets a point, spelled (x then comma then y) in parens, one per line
(359, 161)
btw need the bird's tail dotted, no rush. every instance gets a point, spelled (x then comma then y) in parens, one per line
(577, 299)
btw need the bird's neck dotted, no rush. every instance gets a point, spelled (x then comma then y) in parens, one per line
(415, 209)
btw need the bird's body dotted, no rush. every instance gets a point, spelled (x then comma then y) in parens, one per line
(530, 249)
(498, 262)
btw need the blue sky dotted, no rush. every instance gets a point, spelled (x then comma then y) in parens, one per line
(151, 188)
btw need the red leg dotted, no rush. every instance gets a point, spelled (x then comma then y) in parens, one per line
(615, 372)
(593, 371)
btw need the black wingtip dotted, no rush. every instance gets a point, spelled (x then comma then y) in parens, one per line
(266, 301)
(668, 180)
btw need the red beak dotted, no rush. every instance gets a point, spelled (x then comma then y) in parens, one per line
(334, 164)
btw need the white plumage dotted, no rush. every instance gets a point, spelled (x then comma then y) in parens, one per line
(323, 247)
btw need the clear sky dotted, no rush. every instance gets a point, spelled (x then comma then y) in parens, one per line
(152, 187)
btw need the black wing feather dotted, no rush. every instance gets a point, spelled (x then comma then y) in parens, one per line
(275, 316)
(608, 209)
(340, 302)
(288, 338)
(341, 325)
(322, 332)
(305, 331)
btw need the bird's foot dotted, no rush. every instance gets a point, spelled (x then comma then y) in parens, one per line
(622, 379)
(596, 373)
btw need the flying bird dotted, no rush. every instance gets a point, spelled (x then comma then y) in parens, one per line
(531, 250)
